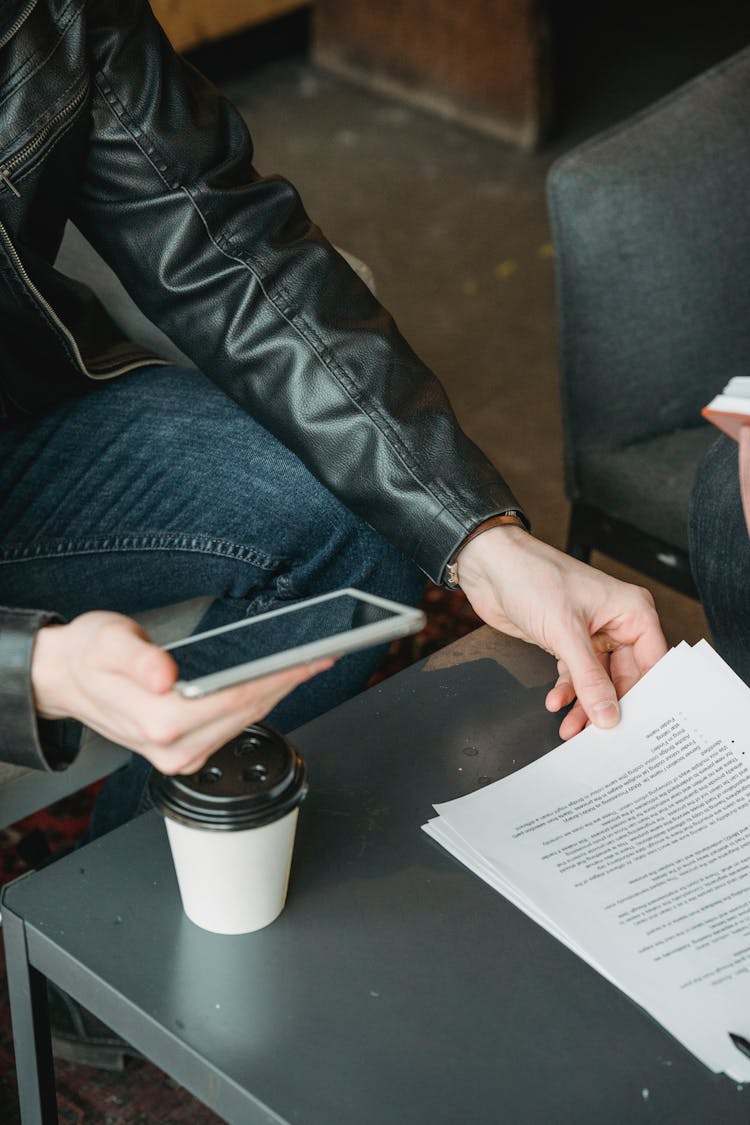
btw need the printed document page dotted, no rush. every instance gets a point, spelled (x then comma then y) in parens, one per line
(632, 846)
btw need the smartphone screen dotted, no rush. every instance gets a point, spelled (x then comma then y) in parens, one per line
(290, 635)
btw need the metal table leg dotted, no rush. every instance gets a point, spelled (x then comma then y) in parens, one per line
(27, 989)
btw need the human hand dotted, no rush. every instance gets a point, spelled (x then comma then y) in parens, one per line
(102, 669)
(604, 633)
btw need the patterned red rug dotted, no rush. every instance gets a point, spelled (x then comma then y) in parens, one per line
(142, 1094)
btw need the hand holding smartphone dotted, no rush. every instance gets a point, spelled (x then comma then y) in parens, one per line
(331, 624)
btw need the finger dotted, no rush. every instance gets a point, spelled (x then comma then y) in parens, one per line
(207, 724)
(576, 719)
(563, 692)
(638, 628)
(262, 694)
(649, 647)
(276, 686)
(190, 752)
(593, 687)
(561, 695)
(172, 761)
(574, 722)
(624, 670)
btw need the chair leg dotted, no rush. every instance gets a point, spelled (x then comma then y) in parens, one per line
(591, 529)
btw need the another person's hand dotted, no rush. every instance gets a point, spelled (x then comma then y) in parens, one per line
(604, 633)
(102, 670)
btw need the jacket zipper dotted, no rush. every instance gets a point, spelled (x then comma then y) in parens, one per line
(28, 150)
(20, 21)
(58, 324)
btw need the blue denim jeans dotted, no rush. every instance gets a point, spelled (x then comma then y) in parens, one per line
(720, 554)
(157, 487)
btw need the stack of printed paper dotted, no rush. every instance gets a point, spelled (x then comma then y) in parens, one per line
(632, 846)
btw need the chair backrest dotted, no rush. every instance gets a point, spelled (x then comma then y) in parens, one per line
(651, 225)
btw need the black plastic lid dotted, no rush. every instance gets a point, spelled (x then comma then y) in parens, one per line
(256, 778)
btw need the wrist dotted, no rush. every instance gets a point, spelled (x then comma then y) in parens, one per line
(489, 556)
(47, 662)
(507, 523)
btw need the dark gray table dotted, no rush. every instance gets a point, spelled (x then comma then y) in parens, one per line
(396, 988)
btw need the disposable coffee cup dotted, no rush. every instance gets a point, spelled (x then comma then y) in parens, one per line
(231, 830)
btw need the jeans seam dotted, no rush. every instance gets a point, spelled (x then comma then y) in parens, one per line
(152, 541)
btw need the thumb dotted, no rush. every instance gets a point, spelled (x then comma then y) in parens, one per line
(132, 654)
(593, 687)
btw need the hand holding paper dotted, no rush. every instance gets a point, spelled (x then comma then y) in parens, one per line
(633, 848)
(604, 633)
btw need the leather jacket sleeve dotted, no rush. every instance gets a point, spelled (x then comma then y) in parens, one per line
(229, 265)
(26, 739)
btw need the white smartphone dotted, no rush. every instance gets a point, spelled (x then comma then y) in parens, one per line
(331, 624)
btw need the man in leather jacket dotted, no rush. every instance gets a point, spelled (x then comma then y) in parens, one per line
(121, 474)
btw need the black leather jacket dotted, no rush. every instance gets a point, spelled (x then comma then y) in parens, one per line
(101, 123)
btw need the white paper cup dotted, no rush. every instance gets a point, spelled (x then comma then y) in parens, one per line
(231, 830)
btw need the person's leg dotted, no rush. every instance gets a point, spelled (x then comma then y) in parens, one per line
(157, 488)
(720, 554)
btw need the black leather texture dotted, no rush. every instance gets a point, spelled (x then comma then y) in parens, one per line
(101, 123)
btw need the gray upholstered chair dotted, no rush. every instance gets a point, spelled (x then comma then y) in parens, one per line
(651, 227)
(24, 791)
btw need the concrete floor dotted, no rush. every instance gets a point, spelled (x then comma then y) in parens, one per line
(454, 226)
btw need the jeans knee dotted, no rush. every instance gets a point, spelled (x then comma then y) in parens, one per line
(337, 548)
(396, 576)
(379, 567)
(720, 553)
(716, 527)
